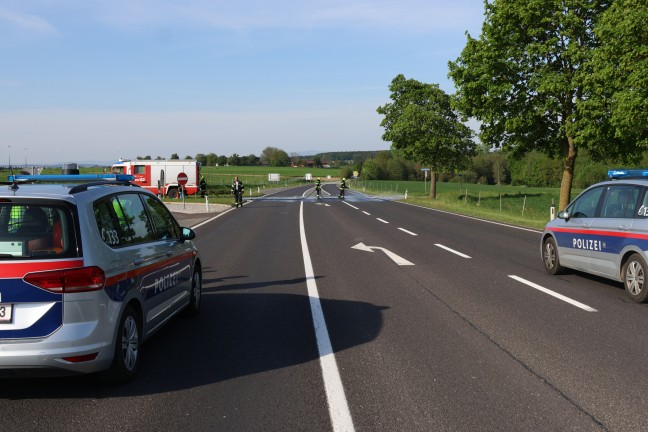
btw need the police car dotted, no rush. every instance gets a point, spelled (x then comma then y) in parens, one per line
(88, 271)
(604, 231)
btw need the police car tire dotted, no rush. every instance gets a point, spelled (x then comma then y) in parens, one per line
(196, 293)
(550, 257)
(636, 265)
(126, 359)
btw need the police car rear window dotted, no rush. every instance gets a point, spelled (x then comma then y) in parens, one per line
(35, 231)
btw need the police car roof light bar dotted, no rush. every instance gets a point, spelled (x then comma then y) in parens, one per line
(620, 174)
(70, 177)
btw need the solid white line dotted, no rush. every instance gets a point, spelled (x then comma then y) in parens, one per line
(408, 232)
(381, 220)
(350, 205)
(554, 294)
(451, 250)
(368, 214)
(211, 219)
(338, 407)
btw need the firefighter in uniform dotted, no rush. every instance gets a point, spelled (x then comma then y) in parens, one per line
(237, 191)
(202, 185)
(343, 186)
(318, 188)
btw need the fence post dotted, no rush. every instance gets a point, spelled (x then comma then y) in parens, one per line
(523, 204)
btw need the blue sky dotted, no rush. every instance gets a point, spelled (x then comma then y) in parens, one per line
(95, 80)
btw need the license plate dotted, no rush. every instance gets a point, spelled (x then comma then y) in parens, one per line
(5, 313)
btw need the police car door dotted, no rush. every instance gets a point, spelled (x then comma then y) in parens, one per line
(574, 237)
(611, 231)
(151, 270)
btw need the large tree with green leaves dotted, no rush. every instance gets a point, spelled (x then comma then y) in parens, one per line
(421, 123)
(523, 77)
(615, 115)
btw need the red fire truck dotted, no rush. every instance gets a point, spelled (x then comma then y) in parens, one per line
(161, 176)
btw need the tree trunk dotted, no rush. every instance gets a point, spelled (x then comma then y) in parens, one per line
(568, 174)
(433, 184)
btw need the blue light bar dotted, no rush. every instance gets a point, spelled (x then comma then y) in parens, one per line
(619, 174)
(70, 177)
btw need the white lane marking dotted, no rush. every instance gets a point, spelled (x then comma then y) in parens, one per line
(211, 219)
(396, 258)
(327, 205)
(338, 407)
(368, 214)
(451, 250)
(381, 220)
(352, 206)
(554, 294)
(470, 217)
(408, 232)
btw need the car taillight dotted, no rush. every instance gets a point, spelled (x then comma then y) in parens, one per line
(68, 281)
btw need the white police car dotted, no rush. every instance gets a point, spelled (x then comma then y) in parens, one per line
(604, 231)
(88, 271)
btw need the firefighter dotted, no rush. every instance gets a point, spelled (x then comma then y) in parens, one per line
(202, 186)
(237, 191)
(343, 186)
(318, 188)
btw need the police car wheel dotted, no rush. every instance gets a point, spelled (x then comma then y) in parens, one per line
(126, 359)
(550, 257)
(196, 293)
(634, 277)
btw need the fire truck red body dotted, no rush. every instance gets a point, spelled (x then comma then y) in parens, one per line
(161, 176)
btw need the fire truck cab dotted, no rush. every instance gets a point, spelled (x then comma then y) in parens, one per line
(161, 176)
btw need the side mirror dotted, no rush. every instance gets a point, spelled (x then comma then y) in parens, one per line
(188, 234)
(563, 215)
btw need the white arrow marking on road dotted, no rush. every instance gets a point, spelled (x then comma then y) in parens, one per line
(397, 259)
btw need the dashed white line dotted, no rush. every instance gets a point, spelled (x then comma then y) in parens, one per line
(554, 294)
(352, 206)
(452, 250)
(408, 232)
(382, 220)
(338, 407)
(367, 213)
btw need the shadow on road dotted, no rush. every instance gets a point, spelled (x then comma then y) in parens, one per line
(236, 334)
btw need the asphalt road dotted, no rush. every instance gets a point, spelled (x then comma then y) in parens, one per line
(399, 319)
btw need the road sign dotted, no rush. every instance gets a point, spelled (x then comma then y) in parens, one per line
(182, 179)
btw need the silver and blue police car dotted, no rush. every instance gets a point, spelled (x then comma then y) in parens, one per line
(604, 231)
(89, 269)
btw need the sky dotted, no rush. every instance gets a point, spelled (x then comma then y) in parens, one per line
(90, 81)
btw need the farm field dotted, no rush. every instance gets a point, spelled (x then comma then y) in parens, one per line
(517, 205)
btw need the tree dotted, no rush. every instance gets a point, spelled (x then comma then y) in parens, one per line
(234, 160)
(522, 77)
(615, 115)
(222, 160)
(212, 159)
(275, 157)
(175, 156)
(421, 123)
(201, 159)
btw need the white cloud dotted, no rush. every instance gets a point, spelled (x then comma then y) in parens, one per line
(26, 22)
(248, 15)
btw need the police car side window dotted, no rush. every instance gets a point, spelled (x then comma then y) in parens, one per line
(620, 201)
(642, 211)
(139, 227)
(107, 215)
(586, 204)
(166, 226)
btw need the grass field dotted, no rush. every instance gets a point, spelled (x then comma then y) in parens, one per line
(517, 205)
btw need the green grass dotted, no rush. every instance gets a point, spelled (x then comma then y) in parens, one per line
(517, 205)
